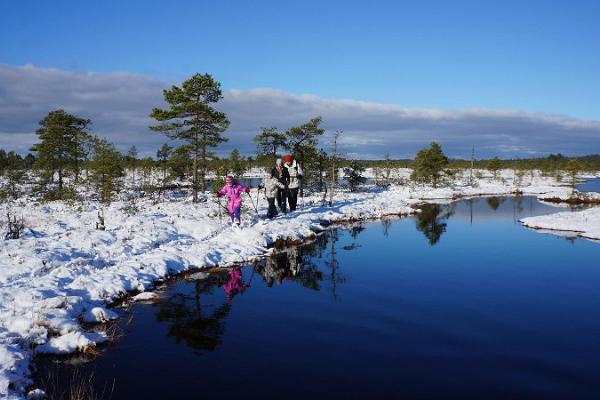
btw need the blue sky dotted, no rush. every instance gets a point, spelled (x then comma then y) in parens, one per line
(532, 56)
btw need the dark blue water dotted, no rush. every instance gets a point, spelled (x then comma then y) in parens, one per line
(590, 185)
(458, 302)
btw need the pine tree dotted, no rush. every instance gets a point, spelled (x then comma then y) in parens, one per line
(303, 139)
(61, 148)
(353, 174)
(106, 169)
(180, 162)
(191, 118)
(131, 162)
(15, 174)
(573, 168)
(163, 154)
(494, 165)
(430, 165)
(269, 141)
(235, 163)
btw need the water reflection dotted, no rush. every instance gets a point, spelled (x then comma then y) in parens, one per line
(431, 221)
(199, 326)
(494, 202)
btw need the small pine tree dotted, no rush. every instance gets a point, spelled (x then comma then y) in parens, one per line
(163, 154)
(573, 168)
(15, 174)
(131, 162)
(430, 165)
(494, 165)
(106, 169)
(235, 164)
(269, 141)
(61, 147)
(353, 174)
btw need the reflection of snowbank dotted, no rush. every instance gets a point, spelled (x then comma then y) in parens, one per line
(585, 223)
(62, 271)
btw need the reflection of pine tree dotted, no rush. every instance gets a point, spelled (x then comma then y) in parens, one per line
(187, 320)
(386, 225)
(494, 202)
(432, 221)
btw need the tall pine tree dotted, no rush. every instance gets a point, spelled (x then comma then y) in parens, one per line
(192, 118)
(61, 147)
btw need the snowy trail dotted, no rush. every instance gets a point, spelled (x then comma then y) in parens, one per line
(62, 271)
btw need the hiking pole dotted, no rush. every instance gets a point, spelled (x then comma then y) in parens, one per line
(220, 213)
(252, 202)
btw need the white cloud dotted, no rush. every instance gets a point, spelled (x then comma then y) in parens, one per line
(119, 104)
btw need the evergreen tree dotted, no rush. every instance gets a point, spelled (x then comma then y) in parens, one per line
(3, 161)
(302, 140)
(303, 136)
(131, 161)
(191, 118)
(106, 169)
(353, 174)
(163, 154)
(61, 145)
(15, 174)
(269, 141)
(573, 168)
(430, 165)
(180, 162)
(494, 165)
(235, 163)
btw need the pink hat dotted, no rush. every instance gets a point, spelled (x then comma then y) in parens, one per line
(228, 178)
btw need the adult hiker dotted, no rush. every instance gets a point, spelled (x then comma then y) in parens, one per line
(233, 191)
(295, 173)
(272, 187)
(283, 177)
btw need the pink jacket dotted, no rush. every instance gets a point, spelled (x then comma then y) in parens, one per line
(234, 195)
(235, 284)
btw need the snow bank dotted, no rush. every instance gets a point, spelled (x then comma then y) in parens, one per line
(62, 272)
(585, 223)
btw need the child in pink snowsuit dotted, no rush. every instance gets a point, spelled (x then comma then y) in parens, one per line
(233, 191)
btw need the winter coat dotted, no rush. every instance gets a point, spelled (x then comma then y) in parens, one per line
(271, 185)
(282, 176)
(234, 195)
(295, 173)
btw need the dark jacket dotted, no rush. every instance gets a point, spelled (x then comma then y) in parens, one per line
(284, 177)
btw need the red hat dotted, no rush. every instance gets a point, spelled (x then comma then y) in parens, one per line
(287, 158)
(228, 178)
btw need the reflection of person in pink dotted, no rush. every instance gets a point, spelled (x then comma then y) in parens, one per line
(233, 191)
(235, 284)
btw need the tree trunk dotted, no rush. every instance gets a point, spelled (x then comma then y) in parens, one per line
(195, 167)
(203, 175)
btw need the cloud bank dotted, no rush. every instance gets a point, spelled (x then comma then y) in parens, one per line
(119, 104)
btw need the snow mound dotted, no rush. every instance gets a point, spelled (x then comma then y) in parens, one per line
(71, 342)
(145, 296)
(98, 315)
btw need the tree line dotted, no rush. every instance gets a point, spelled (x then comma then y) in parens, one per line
(67, 154)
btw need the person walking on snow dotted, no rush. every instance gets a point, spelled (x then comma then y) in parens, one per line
(272, 188)
(295, 173)
(283, 177)
(233, 191)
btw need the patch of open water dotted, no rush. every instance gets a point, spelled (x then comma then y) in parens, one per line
(458, 301)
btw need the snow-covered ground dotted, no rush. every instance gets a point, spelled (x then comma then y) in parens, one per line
(63, 272)
(585, 223)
